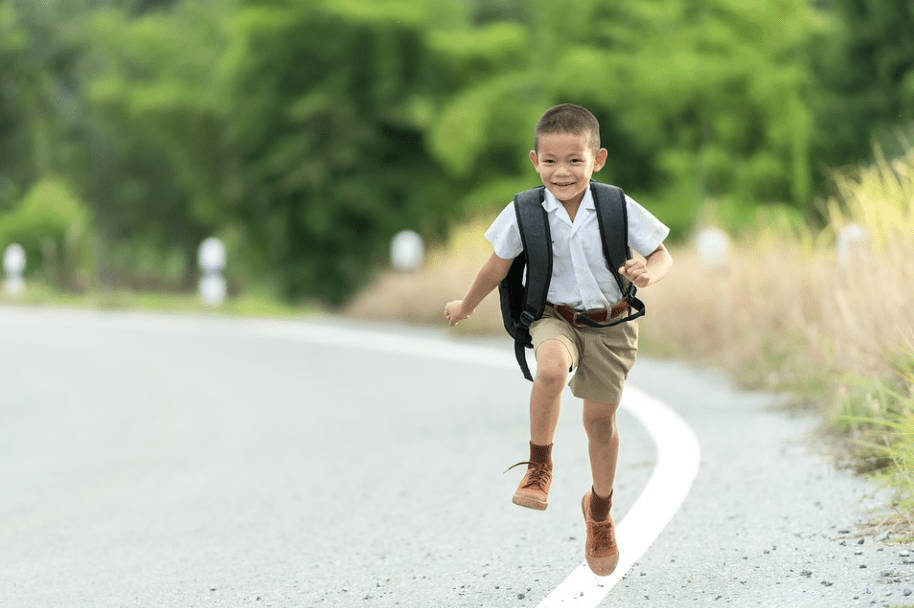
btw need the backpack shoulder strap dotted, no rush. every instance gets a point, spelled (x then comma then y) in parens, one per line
(536, 238)
(612, 216)
(537, 241)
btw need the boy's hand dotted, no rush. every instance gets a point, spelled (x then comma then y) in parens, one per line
(454, 312)
(636, 272)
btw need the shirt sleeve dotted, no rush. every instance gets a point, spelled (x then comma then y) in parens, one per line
(504, 234)
(645, 232)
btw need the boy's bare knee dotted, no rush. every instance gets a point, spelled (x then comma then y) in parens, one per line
(600, 420)
(551, 370)
(552, 363)
(551, 376)
(601, 429)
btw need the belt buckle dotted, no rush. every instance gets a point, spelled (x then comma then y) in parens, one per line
(620, 307)
(579, 314)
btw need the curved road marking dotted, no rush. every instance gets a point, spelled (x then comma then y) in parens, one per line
(678, 458)
(678, 451)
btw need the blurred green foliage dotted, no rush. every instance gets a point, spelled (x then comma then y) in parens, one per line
(328, 106)
(305, 133)
(50, 225)
(864, 71)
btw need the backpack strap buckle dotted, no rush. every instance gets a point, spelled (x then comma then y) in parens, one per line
(526, 319)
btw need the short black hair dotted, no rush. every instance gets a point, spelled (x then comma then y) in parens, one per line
(567, 118)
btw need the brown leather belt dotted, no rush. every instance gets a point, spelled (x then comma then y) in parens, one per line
(597, 316)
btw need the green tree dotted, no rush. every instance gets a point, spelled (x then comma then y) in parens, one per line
(696, 100)
(310, 131)
(35, 96)
(328, 116)
(865, 72)
(50, 224)
(63, 115)
(154, 118)
(13, 134)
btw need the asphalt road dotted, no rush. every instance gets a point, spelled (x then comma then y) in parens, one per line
(149, 460)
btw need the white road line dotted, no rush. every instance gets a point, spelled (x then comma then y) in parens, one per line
(677, 465)
(678, 451)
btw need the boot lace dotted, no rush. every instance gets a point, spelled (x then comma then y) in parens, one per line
(538, 475)
(604, 541)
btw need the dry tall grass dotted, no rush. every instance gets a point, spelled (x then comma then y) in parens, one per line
(784, 313)
(786, 309)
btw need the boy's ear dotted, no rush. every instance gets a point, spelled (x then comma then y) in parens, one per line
(534, 159)
(600, 159)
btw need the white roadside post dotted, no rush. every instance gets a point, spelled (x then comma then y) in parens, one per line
(211, 258)
(713, 247)
(853, 244)
(13, 266)
(407, 251)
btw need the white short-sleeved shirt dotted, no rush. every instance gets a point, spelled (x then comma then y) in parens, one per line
(580, 277)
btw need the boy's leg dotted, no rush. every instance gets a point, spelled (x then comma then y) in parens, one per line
(553, 363)
(601, 550)
(603, 444)
(599, 382)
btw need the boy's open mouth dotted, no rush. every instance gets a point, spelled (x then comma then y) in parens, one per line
(563, 184)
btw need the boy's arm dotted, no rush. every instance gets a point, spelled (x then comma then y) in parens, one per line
(651, 270)
(493, 272)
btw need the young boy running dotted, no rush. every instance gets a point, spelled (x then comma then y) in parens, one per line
(566, 154)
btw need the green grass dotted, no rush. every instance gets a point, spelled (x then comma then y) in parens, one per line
(878, 412)
(251, 304)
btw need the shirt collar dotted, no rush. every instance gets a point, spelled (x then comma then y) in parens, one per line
(552, 204)
(587, 202)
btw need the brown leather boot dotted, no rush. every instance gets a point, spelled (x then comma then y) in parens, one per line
(533, 490)
(601, 550)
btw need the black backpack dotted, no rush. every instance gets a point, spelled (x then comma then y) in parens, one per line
(523, 302)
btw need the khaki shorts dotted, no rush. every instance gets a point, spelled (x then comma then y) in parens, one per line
(601, 357)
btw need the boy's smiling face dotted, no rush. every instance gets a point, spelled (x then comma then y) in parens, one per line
(565, 162)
